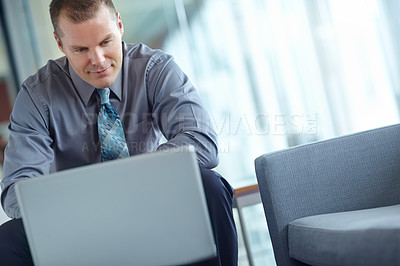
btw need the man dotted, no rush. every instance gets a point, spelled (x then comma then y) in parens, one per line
(56, 119)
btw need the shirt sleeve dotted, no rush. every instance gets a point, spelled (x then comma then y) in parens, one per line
(179, 112)
(28, 152)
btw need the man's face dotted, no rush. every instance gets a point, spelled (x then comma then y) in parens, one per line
(93, 47)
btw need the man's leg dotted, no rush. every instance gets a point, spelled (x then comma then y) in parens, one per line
(14, 248)
(219, 195)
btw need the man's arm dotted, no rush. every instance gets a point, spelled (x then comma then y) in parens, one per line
(179, 111)
(28, 152)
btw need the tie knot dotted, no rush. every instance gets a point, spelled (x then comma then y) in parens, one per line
(104, 95)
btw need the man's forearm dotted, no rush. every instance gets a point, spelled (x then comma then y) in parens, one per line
(206, 149)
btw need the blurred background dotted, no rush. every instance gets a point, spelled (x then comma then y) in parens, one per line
(272, 73)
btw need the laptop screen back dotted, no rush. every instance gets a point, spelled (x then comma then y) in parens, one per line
(148, 209)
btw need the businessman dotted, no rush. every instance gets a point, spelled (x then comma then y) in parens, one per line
(104, 100)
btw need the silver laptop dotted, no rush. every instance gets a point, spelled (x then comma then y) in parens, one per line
(148, 209)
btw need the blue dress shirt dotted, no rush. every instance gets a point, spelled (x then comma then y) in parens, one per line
(54, 120)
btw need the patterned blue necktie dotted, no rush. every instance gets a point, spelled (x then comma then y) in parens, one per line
(111, 132)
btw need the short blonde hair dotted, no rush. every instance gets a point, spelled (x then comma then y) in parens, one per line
(77, 11)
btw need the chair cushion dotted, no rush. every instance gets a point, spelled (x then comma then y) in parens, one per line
(363, 237)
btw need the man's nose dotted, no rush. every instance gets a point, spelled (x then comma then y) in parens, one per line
(96, 56)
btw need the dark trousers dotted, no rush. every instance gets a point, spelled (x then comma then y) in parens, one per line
(14, 249)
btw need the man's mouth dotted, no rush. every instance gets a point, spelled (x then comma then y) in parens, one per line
(101, 72)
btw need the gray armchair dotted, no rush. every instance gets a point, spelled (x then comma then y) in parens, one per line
(334, 202)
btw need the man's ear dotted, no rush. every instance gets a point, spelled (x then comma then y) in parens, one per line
(120, 25)
(59, 43)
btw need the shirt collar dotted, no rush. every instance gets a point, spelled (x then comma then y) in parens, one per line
(86, 90)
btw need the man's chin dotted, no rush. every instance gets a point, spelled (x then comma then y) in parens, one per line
(100, 84)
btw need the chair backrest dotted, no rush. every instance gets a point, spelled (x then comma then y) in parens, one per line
(356, 171)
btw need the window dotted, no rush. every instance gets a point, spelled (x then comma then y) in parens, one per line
(278, 73)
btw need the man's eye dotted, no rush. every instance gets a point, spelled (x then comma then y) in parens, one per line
(80, 50)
